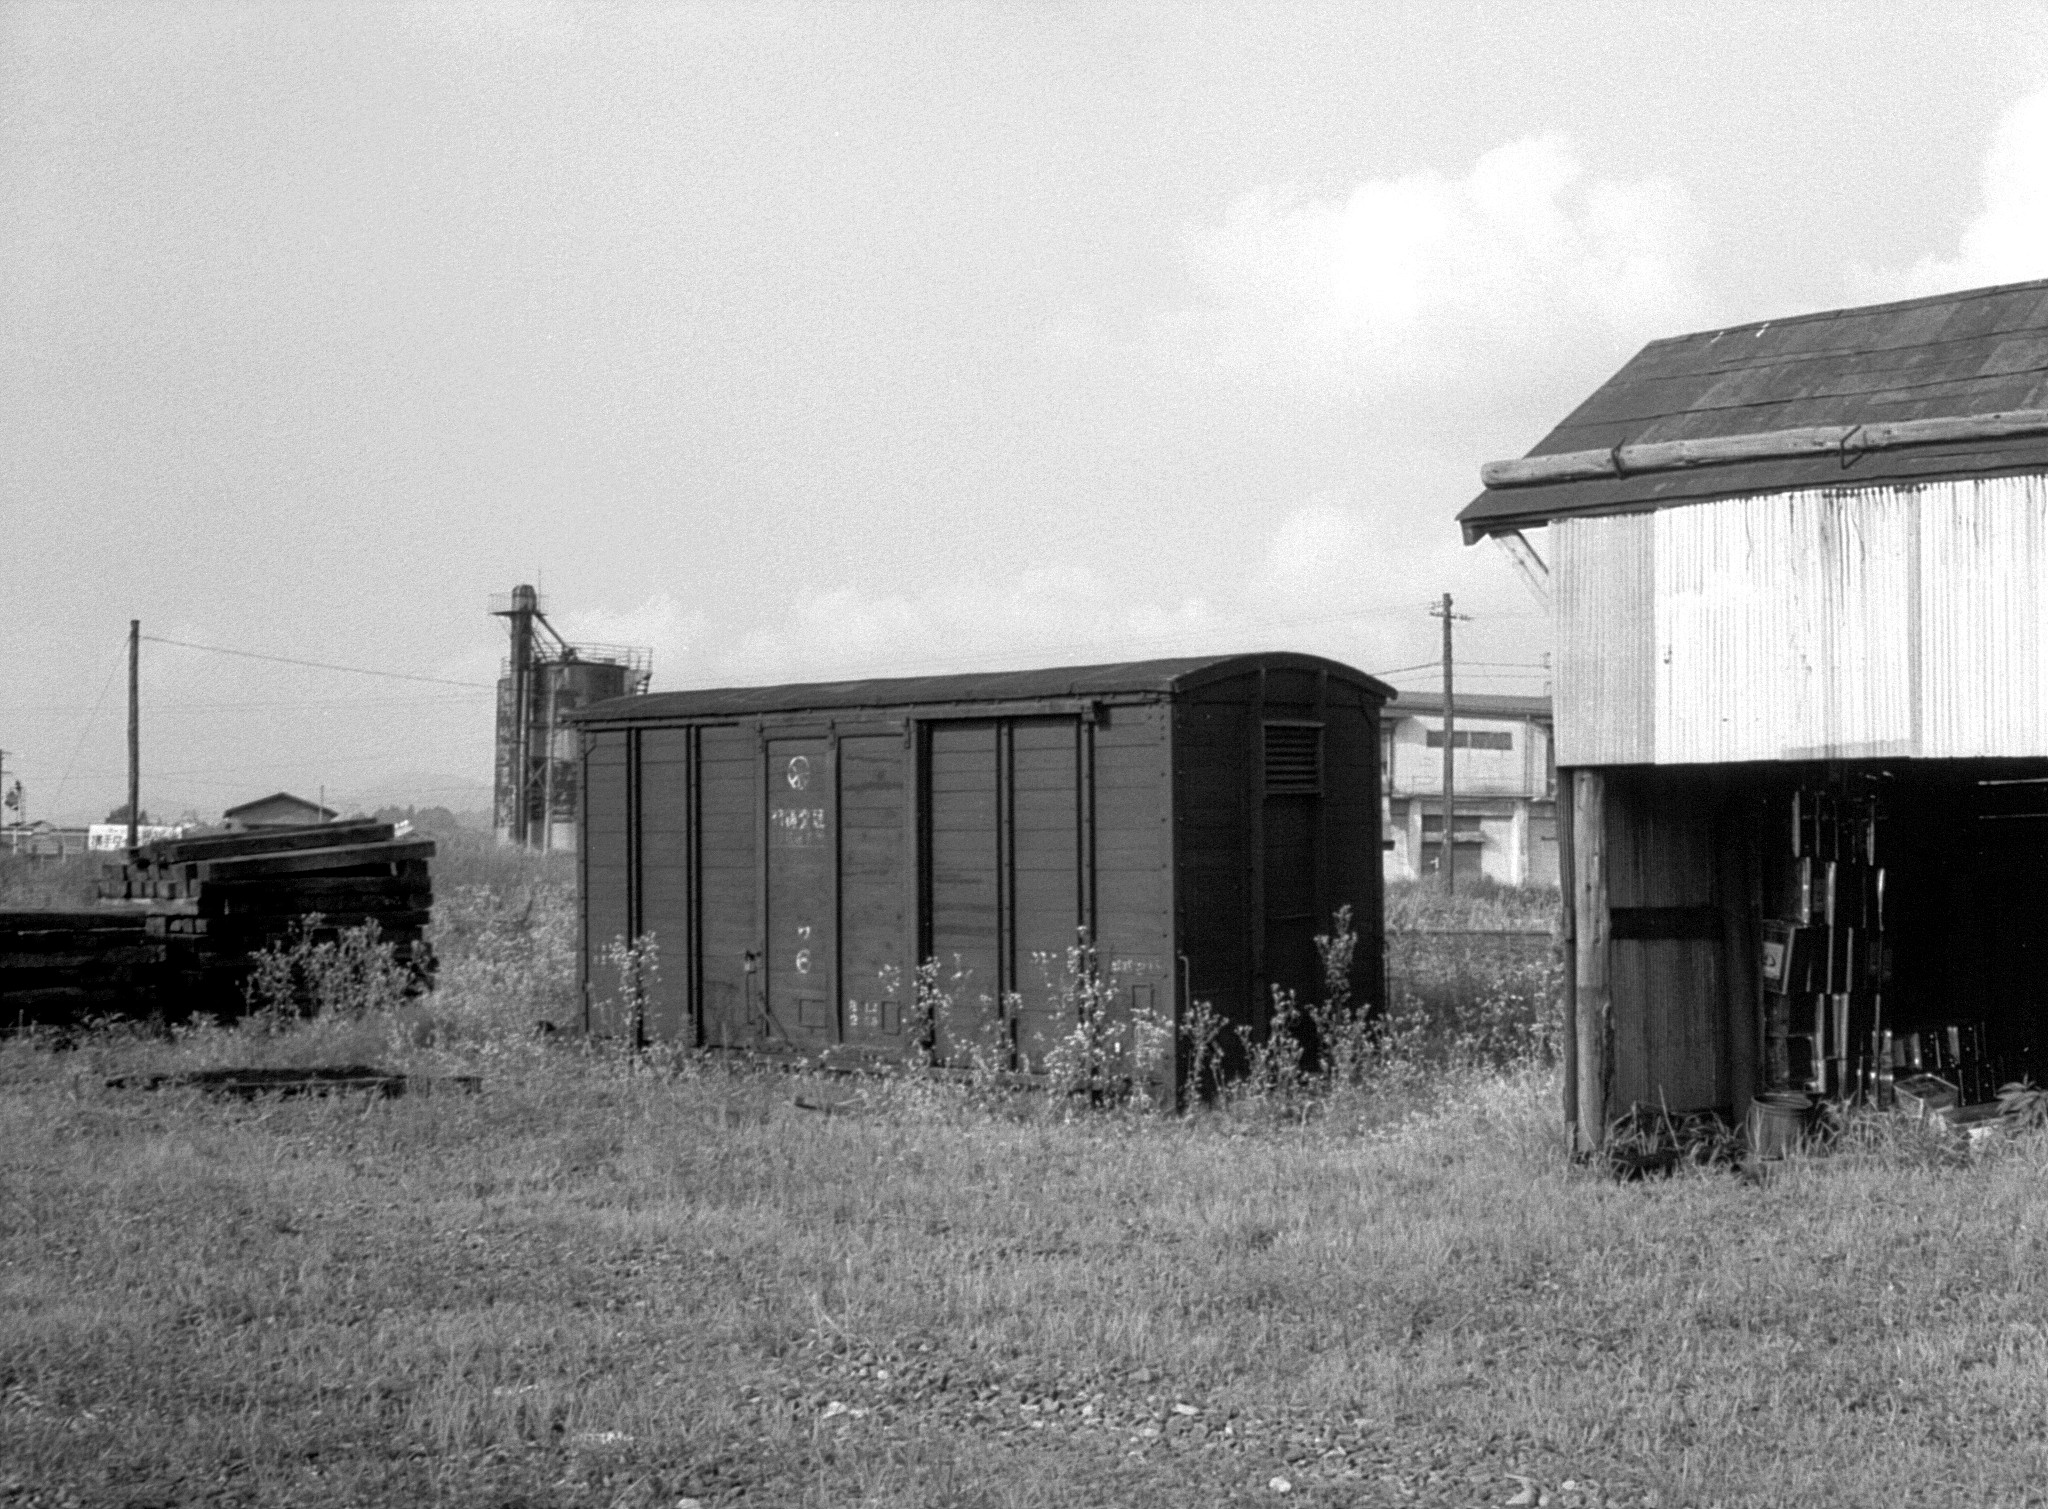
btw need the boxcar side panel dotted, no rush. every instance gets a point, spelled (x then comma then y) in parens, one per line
(963, 887)
(1134, 857)
(727, 757)
(607, 876)
(664, 888)
(802, 928)
(1045, 876)
(874, 941)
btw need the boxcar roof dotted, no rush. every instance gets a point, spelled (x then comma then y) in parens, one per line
(1978, 352)
(1135, 677)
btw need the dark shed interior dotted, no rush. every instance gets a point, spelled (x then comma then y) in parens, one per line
(1833, 929)
(796, 853)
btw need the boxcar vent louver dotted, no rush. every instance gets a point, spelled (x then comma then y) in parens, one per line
(1294, 758)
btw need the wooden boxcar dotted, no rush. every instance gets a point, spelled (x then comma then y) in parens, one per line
(796, 852)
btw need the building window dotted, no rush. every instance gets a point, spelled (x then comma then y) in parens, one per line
(1466, 738)
(1467, 825)
(1294, 758)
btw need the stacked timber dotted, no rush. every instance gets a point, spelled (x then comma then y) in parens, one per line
(70, 966)
(215, 900)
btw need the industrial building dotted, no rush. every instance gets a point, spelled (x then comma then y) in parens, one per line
(543, 680)
(1505, 788)
(1801, 582)
(796, 852)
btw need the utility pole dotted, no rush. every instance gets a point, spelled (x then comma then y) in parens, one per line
(1447, 854)
(134, 726)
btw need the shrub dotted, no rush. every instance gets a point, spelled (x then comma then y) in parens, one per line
(348, 972)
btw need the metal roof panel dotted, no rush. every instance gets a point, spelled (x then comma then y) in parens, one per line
(1136, 677)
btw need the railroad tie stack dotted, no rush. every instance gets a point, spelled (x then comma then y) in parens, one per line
(216, 900)
(58, 967)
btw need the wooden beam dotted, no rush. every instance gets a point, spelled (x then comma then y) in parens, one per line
(1590, 962)
(1568, 939)
(1665, 923)
(1844, 440)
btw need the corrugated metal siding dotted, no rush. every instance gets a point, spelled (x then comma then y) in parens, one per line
(1606, 632)
(1983, 568)
(1783, 629)
(1844, 624)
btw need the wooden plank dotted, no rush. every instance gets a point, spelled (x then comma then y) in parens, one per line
(1046, 880)
(728, 863)
(664, 866)
(1738, 886)
(962, 891)
(1591, 961)
(801, 928)
(313, 861)
(262, 841)
(1664, 923)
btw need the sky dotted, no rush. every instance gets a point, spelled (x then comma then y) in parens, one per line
(810, 341)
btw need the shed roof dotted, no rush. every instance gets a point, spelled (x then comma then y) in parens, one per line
(1981, 351)
(1130, 678)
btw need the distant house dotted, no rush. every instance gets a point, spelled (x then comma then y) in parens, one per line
(43, 840)
(279, 810)
(1505, 777)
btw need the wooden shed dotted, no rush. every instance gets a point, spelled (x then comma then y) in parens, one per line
(797, 851)
(1800, 579)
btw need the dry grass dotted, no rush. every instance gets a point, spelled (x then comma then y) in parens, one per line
(604, 1282)
(40, 884)
(594, 1284)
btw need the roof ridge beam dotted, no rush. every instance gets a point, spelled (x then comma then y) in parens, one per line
(1765, 445)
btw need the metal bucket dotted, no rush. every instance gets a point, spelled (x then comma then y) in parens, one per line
(1777, 1122)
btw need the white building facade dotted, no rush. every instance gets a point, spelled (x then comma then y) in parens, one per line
(1505, 779)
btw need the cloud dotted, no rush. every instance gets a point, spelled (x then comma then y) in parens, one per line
(1047, 616)
(1319, 584)
(660, 624)
(1422, 284)
(2008, 240)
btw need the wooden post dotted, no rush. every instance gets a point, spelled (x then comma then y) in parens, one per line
(1590, 931)
(1738, 875)
(1567, 932)
(1450, 852)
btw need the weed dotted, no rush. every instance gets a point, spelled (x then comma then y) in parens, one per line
(323, 972)
(637, 963)
(1106, 1055)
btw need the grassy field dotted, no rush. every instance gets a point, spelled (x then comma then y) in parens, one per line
(600, 1282)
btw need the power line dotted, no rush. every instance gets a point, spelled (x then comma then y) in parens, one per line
(319, 665)
(83, 732)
